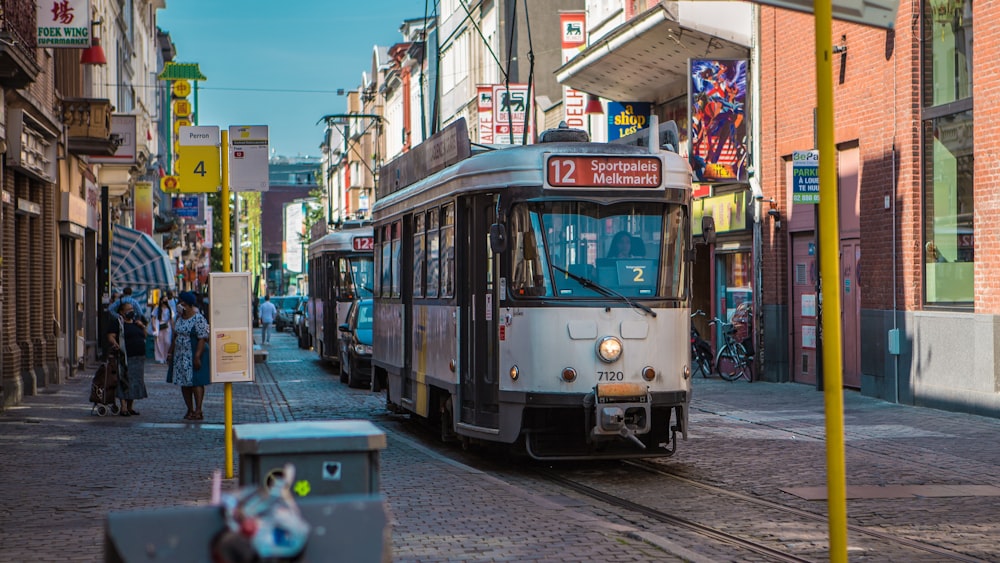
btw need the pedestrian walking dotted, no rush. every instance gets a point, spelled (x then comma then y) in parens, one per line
(188, 355)
(162, 321)
(127, 337)
(268, 312)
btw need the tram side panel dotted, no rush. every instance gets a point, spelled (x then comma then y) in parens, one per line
(434, 355)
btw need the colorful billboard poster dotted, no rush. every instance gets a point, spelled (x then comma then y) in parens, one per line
(625, 118)
(718, 151)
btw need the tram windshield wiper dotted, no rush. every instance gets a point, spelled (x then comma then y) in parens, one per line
(605, 291)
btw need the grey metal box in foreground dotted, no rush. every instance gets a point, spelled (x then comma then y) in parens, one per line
(334, 457)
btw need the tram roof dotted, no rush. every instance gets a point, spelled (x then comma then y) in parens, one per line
(520, 166)
(340, 240)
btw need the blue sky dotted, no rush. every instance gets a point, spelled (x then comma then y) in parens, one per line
(296, 47)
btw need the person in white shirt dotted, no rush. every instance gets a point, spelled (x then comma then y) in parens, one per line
(268, 312)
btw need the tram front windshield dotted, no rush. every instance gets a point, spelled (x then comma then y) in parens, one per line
(362, 272)
(572, 250)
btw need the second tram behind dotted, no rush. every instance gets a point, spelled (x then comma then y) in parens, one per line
(340, 272)
(537, 295)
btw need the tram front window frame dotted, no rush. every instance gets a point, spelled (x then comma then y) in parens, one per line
(560, 246)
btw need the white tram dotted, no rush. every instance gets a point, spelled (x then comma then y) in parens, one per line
(340, 272)
(537, 295)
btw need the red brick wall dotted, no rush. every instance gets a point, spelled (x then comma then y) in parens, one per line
(986, 87)
(877, 109)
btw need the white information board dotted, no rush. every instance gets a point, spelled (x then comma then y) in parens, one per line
(248, 158)
(231, 340)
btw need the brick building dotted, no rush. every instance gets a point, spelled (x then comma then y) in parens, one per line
(919, 254)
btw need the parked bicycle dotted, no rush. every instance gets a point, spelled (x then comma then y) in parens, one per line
(733, 360)
(702, 358)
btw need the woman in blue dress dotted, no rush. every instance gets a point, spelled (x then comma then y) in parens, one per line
(189, 368)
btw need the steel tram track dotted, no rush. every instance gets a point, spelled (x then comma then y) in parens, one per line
(666, 518)
(655, 468)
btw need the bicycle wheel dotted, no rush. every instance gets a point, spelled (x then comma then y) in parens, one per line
(730, 361)
(700, 363)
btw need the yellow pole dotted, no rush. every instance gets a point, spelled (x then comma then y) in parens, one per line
(829, 268)
(227, 267)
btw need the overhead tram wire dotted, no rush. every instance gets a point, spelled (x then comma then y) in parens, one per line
(468, 16)
(510, 49)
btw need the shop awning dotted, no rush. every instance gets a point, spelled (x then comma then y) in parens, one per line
(138, 262)
(646, 58)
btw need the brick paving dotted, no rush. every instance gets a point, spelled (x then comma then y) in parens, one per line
(64, 469)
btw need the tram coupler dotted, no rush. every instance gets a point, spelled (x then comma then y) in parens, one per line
(621, 410)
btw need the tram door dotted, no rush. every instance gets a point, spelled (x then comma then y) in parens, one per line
(479, 393)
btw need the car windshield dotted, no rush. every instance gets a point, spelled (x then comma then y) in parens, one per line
(567, 249)
(365, 316)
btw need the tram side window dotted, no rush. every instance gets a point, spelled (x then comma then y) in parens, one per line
(345, 285)
(386, 263)
(528, 276)
(395, 268)
(432, 253)
(418, 255)
(448, 251)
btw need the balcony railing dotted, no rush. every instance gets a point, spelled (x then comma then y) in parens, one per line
(18, 41)
(88, 125)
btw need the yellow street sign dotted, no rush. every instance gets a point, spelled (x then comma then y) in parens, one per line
(182, 108)
(200, 169)
(181, 89)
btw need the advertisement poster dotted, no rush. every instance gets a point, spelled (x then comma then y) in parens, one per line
(232, 357)
(510, 111)
(805, 177)
(484, 99)
(573, 29)
(626, 118)
(144, 207)
(718, 150)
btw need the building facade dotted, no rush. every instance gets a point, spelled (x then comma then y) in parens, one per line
(64, 111)
(917, 250)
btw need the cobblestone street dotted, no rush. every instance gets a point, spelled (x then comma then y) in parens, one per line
(65, 469)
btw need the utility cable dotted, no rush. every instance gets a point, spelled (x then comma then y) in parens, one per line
(510, 49)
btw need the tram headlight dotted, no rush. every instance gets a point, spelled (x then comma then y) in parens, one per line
(568, 375)
(609, 349)
(363, 349)
(513, 373)
(648, 373)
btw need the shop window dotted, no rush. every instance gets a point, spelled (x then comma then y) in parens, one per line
(948, 153)
(949, 231)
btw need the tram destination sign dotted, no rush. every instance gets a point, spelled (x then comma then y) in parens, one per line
(363, 243)
(587, 171)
